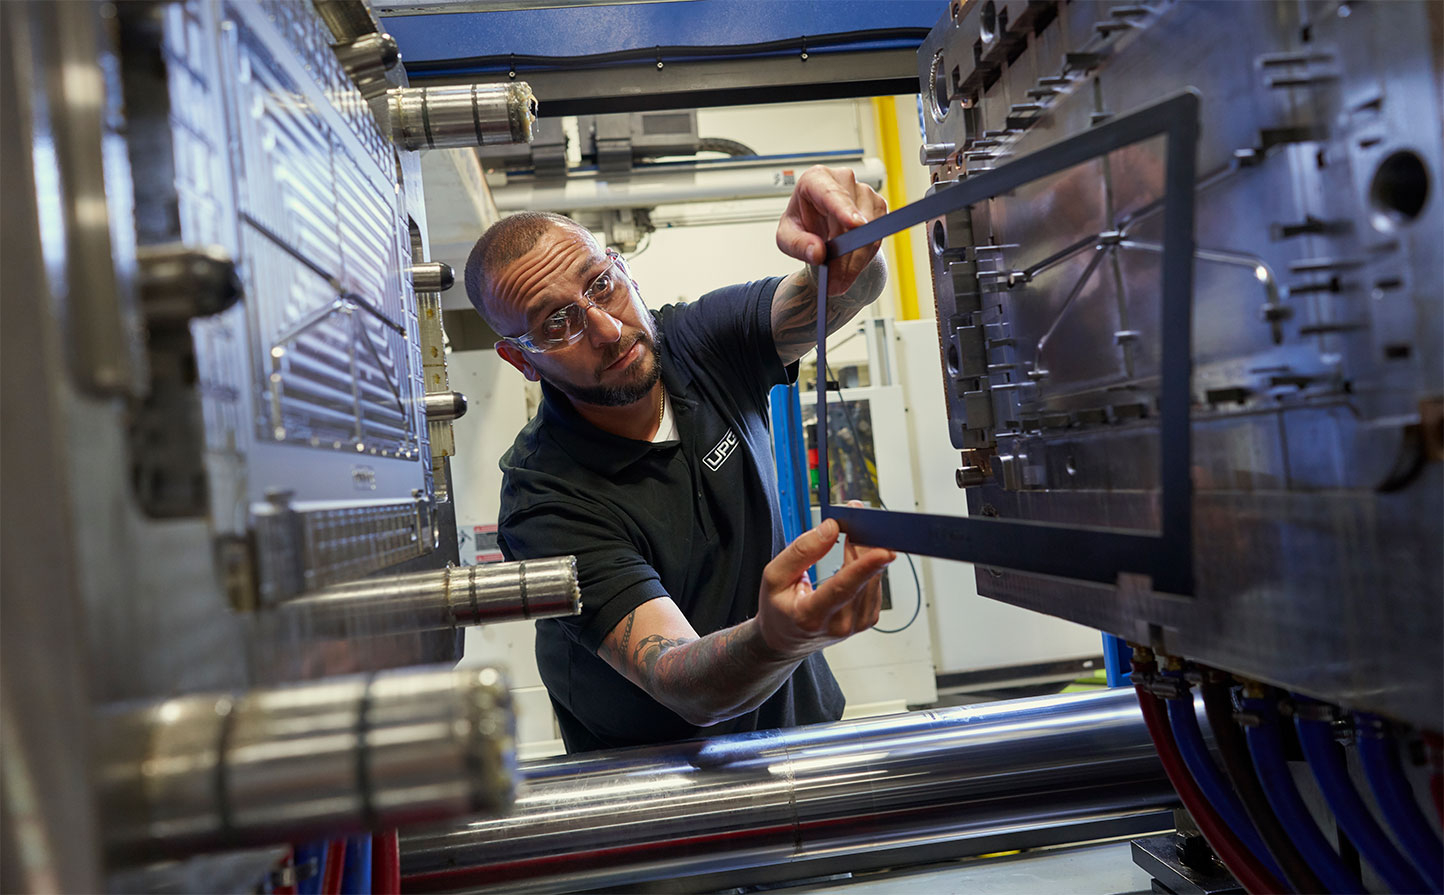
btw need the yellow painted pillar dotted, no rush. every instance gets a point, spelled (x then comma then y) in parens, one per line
(885, 111)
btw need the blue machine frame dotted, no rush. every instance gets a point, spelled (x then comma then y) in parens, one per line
(1076, 552)
(790, 452)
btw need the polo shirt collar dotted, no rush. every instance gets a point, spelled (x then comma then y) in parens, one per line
(592, 448)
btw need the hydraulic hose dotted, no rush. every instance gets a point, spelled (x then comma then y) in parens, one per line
(1317, 740)
(1235, 857)
(1261, 731)
(386, 864)
(1391, 790)
(1194, 751)
(1240, 769)
(335, 867)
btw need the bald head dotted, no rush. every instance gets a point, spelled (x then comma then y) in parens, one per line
(504, 242)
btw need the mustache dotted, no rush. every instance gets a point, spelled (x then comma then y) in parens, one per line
(620, 349)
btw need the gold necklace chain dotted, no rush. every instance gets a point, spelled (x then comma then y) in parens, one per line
(662, 408)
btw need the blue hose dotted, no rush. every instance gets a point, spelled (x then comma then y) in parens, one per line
(1191, 747)
(356, 879)
(1318, 742)
(1267, 750)
(1386, 778)
(310, 861)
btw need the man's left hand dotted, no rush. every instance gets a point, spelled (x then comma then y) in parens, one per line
(826, 203)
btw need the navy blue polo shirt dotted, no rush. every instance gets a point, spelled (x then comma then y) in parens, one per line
(694, 519)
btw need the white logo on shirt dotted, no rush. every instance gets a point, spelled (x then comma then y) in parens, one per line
(722, 451)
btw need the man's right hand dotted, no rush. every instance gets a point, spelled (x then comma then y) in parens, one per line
(797, 619)
(713, 678)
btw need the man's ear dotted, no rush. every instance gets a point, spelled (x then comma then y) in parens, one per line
(519, 359)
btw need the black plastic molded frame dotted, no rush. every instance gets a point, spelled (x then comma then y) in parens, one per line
(1084, 553)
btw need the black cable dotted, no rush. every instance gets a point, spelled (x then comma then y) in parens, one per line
(862, 460)
(518, 62)
(724, 146)
(1218, 704)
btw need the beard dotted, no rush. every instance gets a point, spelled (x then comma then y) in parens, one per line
(630, 390)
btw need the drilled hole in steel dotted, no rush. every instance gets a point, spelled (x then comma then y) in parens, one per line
(1071, 465)
(952, 359)
(940, 237)
(988, 23)
(938, 91)
(1399, 190)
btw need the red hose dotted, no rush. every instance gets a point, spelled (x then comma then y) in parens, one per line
(1243, 865)
(386, 864)
(335, 867)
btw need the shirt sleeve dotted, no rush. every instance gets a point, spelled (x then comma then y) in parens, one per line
(728, 327)
(614, 577)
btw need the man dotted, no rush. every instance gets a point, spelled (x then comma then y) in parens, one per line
(651, 461)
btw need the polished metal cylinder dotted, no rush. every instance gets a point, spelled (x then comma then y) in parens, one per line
(431, 276)
(757, 799)
(367, 60)
(179, 283)
(935, 153)
(216, 770)
(442, 406)
(347, 19)
(456, 596)
(457, 117)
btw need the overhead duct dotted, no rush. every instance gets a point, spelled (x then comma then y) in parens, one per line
(776, 797)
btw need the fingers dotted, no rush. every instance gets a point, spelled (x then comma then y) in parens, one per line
(804, 551)
(871, 608)
(867, 606)
(796, 241)
(849, 547)
(840, 206)
(845, 586)
(826, 203)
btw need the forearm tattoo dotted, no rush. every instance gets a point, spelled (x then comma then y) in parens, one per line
(714, 677)
(794, 307)
(651, 649)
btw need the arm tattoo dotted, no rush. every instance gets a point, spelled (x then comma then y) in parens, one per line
(650, 649)
(714, 678)
(618, 652)
(703, 679)
(627, 634)
(794, 308)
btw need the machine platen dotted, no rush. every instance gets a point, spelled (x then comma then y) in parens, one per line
(226, 401)
(1186, 261)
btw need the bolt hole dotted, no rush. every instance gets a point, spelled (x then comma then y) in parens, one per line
(953, 359)
(1071, 465)
(1399, 190)
(938, 96)
(988, 23)
(940, 237)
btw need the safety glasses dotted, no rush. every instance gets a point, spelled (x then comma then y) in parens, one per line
(607, 292)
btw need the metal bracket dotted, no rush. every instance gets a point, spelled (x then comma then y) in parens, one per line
(1077, 552)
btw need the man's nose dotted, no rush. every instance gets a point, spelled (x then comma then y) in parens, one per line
(602, 328)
